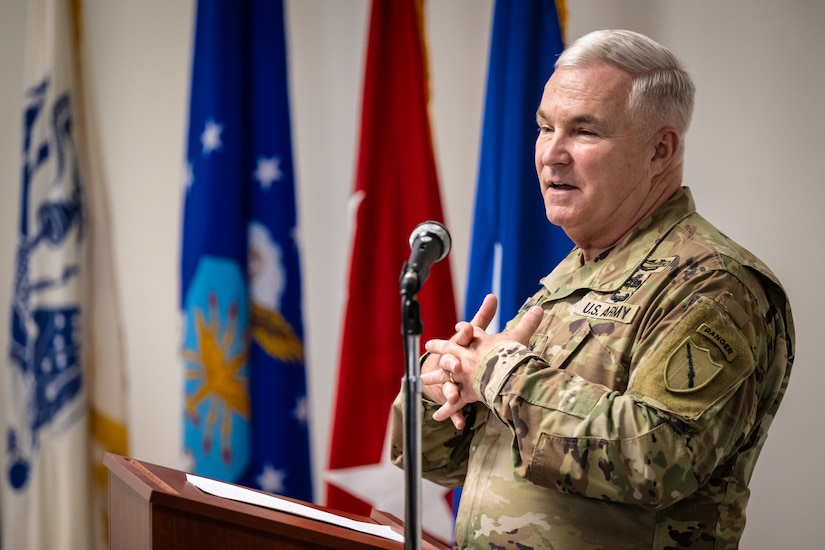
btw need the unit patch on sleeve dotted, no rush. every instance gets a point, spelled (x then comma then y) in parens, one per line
(718, 339)
(690, 367)
(701, 358)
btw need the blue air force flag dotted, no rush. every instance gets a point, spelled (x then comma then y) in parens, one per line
(245, 415)
(45, 477)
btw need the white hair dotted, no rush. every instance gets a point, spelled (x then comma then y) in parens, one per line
(662, 92)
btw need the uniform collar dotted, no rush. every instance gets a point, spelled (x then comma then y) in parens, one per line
(608, 271)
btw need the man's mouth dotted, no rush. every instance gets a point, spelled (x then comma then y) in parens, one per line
(560, 186)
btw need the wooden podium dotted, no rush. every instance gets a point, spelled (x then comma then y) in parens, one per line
(154, 507)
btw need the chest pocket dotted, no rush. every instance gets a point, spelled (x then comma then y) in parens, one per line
(580, 349)
(558, 343)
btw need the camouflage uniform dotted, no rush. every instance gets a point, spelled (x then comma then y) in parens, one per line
(636, 415)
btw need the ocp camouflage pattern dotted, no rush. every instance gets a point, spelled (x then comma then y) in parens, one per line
(634, 418)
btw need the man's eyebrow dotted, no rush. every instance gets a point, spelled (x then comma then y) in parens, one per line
(585, 119)
(578, 119)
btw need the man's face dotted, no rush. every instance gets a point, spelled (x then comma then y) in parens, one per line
(595, 172)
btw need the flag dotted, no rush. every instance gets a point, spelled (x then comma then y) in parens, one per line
(513, 245)
(396, 188)
(246, 413)
(105, 361)
(65, 385)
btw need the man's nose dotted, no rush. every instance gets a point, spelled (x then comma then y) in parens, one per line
(554, 150)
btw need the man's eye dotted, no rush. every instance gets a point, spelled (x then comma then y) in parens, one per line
(544, 129)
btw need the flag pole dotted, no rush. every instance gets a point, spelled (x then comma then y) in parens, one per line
(412, 329)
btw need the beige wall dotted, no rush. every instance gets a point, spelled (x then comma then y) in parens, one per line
(754, 155)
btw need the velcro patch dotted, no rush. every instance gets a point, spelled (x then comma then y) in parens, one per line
(701, 358)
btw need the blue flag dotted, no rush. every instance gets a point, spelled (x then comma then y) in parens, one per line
(245, 415)
(513, 244)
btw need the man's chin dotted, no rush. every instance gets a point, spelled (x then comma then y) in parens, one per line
(558, 215)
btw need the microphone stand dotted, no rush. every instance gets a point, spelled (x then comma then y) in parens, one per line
(412, 328)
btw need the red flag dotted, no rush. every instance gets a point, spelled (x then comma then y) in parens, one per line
(395, 190)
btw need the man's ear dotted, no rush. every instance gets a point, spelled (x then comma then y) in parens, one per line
(666, 148)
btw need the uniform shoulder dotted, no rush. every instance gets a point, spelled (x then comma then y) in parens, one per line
(729, 254)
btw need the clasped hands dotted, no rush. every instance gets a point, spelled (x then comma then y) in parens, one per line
(447, 373)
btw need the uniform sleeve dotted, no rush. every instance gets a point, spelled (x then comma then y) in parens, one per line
(692, 400)
(445, 450)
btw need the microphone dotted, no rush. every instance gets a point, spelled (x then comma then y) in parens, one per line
(430, 242)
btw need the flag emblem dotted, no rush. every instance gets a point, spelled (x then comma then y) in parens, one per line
(216, 356)
(267, 276)
(45, 317)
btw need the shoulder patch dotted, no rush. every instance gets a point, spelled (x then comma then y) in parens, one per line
(690, 367)
(703, 356)
(719, 339)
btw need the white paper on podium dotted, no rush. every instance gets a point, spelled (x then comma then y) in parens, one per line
(241, 494)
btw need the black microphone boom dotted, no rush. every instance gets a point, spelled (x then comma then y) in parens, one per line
(430, 242)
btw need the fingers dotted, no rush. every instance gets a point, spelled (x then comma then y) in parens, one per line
(451, 364)
(435, 377)
(527, 325)
(450, 353)
(452, 407)
(451, 392)
(458, 420)
(430, 363)
(451, 411)
(464, 332)
(443, 347)
(486, 312)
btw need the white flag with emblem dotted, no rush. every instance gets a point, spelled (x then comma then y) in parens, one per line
(55, 368)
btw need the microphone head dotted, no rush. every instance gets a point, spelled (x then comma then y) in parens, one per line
(432, 230)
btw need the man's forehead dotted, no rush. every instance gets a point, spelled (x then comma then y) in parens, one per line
(587, 94)
(602, 79)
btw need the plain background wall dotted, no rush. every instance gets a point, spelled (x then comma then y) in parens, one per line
(754, 157)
